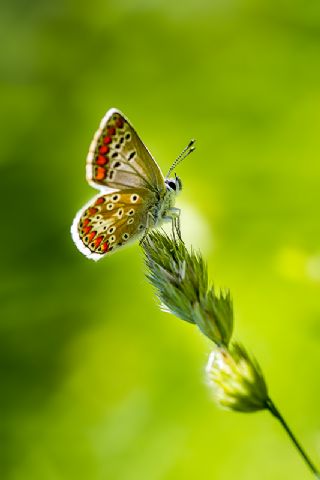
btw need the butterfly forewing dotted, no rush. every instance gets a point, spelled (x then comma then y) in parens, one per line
(111, 220)
(118, 159)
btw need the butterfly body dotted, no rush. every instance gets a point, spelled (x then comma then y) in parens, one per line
(133, 198)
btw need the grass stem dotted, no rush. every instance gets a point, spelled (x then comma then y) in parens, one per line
(275, 412)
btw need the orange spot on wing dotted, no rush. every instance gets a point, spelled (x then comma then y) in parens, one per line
(87, 230)
(104, 247)
(100, 200)
(101, 160)
(104, 149)
(111, 131)
(85, 222)
(97, 241)
(119, 122)
(92, 211)
(92, 235)
(100, 173)
(107, 140)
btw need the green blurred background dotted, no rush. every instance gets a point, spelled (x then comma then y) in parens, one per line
(96, 382)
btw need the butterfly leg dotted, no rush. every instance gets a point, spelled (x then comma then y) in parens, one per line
(173, 214)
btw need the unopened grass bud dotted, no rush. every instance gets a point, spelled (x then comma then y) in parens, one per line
(236, 380)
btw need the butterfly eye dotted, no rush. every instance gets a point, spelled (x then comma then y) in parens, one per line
(172, 185)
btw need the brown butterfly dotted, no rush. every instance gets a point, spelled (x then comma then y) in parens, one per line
(133, 197)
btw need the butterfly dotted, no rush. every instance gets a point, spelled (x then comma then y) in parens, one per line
(133, 197)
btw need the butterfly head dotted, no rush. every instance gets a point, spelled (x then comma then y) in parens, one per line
(173, 185)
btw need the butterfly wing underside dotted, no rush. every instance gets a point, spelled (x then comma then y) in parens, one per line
(111, 220)
(131, 185)
(118, 159)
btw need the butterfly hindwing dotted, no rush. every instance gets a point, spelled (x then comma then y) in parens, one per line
(111, 220)
(118, 159)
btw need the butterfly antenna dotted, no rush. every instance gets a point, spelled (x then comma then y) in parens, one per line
(185, 152)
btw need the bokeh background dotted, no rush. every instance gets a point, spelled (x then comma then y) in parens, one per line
(96, 382)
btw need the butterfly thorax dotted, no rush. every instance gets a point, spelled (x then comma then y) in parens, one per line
(163, 209)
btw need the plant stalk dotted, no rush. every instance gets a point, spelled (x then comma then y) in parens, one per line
(275, 412)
